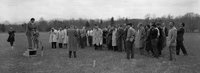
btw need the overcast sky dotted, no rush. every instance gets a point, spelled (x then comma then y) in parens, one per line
(22, 10)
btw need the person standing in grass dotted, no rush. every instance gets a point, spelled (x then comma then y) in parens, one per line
(154, 34)
(83, 38)
(97, 37)
(160, 39)
(141, 38)
(65, 41)
(29, 32)
(114, 39)
(120, 38)
(60, 37)
(53, 38)
(11, 37)
(180, 45)
(130, 39)
(73, 41)
(171, 41)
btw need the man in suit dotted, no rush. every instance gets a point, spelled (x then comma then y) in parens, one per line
(154, 34)
(83, 37)
(161, 38)
(180, 45)
(171, 41)
(120, 38)
(131, 33)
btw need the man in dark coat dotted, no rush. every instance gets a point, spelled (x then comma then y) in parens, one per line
(11, 37)
(120, 38)
(154, 33)
(73, 41)
(160, 39)
(105, 32)
(148, 47)
(109, 39)
(180, 45)
(125, 30)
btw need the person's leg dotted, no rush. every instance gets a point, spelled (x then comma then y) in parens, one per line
(52, 45)
(172, 51)
(11, 44)
(74, 54)
(154, 47)
(170, 54)
(85, 42)
(132, 50)
(147, 48)
(55, 45)
(70, 54)
(159, 47)
(178, 48)
(183, 48)
(60, 45)
(128, 50)
(151, 49)
(95, 46)
(90, 40)
(29, 41)
(128, 54)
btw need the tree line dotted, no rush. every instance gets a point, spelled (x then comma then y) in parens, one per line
(192, 21)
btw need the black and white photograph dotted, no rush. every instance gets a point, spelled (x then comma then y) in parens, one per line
(99, 36)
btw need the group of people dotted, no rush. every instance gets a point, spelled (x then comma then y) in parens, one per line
(150, 38)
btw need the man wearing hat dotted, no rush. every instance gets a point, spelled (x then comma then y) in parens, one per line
(154, 34)
(131, 33)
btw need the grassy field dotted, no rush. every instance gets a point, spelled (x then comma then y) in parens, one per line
(57, 61)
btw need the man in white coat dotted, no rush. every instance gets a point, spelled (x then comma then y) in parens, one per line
(60, 37)
(53, 37)
(114, 39)
(97, 37)
(65, 37)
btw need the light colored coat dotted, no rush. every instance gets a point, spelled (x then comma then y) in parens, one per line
(171, 39)
(53, 36)
(114, 38)
(97, 36)
(65, 36)
(140, 38)
(60, 36)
